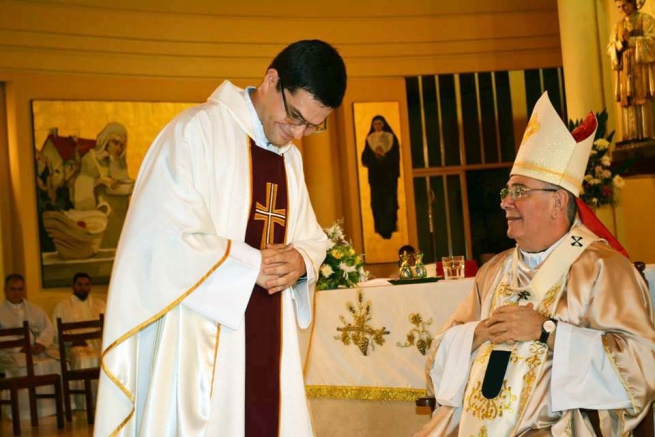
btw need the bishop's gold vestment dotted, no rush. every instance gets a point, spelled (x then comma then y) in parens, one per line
(602, 291)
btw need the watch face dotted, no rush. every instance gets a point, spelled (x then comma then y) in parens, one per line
(549, 326)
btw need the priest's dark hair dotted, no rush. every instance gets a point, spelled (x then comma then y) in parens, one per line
(314, 66)
(79, 275)
(13, 277)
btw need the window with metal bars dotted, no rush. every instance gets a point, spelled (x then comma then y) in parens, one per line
(465, 129)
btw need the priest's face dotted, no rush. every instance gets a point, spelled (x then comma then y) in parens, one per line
(15, 291)
(82, 287)
(287, 115)
(529, 214)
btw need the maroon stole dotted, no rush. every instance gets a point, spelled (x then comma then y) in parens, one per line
(266, 224)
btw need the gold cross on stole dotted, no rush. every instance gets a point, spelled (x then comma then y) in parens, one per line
(269, 214)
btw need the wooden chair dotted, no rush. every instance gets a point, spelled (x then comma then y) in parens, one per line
(69, 333)
(11, 338)
(646, 427)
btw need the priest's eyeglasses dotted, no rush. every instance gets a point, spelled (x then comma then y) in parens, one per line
(515, 192)
(298, 120)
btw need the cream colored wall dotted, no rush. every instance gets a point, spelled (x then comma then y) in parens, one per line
(150, 50)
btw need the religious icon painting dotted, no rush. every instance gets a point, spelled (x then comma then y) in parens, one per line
(381, 183)
(87, 156)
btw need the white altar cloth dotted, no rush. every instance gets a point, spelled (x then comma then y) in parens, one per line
(394, 370)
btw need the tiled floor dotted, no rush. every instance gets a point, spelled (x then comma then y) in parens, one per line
(48, 427)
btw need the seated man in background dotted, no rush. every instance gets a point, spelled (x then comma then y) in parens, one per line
(13, 311)
(559, 324)
(16, 309)
(80, 307)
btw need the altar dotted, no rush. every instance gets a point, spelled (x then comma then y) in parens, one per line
(366, 360)
(365, 364)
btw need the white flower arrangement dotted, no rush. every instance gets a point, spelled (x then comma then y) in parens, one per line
(343, 267)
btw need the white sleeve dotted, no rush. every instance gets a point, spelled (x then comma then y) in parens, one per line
(224, 295)
(583, 375)
(452, 364)
(302, 293)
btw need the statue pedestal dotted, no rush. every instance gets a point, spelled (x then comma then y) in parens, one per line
(639, 155)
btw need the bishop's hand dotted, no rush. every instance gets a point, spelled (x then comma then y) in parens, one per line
(512, 323)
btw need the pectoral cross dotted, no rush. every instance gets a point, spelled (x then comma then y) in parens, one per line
(269, 214)
(576, 241)
(524, 295)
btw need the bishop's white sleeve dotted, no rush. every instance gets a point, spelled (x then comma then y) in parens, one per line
(452, 363)
(583, 375)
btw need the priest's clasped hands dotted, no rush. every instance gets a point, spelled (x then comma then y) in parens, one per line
(509, 324)
(282, 266)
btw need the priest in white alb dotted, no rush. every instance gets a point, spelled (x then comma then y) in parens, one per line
(216, 266)
(81, 306)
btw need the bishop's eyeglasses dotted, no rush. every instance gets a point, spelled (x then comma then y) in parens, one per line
(515, 192)
(297, 120)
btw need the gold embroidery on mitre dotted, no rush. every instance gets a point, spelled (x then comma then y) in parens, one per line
(548, 171)
(483, 432)
(418, 336)
(532, 128)
(489, 409)
(359, 332)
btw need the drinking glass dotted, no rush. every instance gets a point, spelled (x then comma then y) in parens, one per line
(453, 267)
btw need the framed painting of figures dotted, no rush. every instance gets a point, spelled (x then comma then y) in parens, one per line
(380, 176)
(87, 156)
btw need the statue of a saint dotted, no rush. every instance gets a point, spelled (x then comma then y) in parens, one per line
(632, 54)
